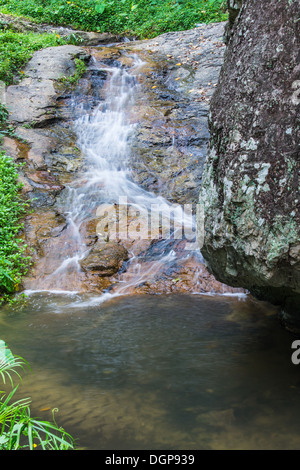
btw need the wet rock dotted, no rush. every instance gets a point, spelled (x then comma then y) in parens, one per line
(153, 274)
(167, 155)
(40, 226)
(171, 135)
(88, 231)
(198, 51)
(44, 180)
(250, 188)
(50, 239)
(105, 258)
(11, 148)
(65, 158)
(126, 224)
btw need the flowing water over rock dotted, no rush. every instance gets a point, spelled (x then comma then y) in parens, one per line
(122, 190)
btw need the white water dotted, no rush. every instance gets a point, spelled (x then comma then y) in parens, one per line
(104, 135)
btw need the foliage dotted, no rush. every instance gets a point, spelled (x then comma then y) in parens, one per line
(3, 114)
(143, 18)
(17, 48)
(18, 430)
(13, 260)
(80, 69)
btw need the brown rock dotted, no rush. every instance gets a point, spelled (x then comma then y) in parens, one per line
(45, 180)
(105, 258)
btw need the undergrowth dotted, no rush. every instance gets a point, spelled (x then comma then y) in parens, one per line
(17, 48)
(18, 429)
(13, 259)
(142, 18)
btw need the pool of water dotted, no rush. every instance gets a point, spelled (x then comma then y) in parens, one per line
(159, 372)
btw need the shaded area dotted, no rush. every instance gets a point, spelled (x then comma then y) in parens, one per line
(182, 372)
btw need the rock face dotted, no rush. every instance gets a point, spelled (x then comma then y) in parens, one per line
(105, 258)
(250, 187)
(33, 100)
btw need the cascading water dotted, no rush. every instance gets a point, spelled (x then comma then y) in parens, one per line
(104, 135)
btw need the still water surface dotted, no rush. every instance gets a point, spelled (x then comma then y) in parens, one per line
(159, 372)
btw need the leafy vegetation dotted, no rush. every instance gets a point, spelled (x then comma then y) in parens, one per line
(80, 69)
(143, 18)
(17, 48)
(13, 260)
(18, 430)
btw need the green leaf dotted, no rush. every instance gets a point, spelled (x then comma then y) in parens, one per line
(6, 356)
(100, 7)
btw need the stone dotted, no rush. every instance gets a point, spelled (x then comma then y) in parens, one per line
(177, 76)
(233, 7)
(54, 63)
(250, 186)
(33, 100)
(38, 146)
(105, 258)
(167, 157)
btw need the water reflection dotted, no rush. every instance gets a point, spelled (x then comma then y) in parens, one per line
(159, 372)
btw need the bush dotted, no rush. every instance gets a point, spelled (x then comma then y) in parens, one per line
(17, 48)
(13, 260)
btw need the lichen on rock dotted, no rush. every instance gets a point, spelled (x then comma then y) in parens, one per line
(250, 186)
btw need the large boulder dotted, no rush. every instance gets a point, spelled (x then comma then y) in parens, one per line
(250, 187)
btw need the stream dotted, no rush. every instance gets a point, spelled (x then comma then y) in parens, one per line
(126, 370)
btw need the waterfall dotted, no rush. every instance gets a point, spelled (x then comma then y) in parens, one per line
(104, 135)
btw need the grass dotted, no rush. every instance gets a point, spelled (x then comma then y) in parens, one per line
(142, 18)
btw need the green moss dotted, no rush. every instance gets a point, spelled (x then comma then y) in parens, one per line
(240, 219)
